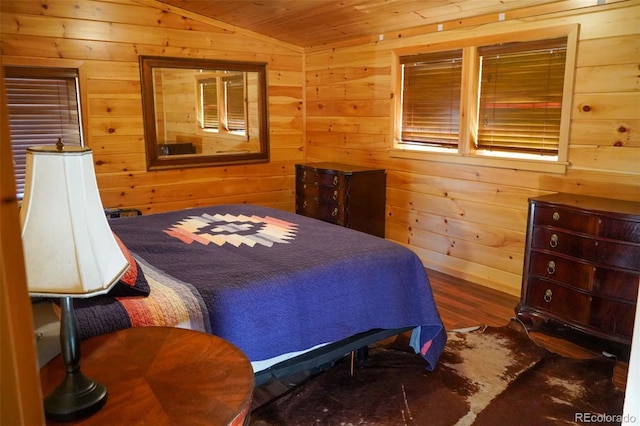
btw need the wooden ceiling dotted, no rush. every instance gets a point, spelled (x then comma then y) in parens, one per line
(313, 23)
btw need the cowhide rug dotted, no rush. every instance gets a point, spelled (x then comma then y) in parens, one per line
(491, 376)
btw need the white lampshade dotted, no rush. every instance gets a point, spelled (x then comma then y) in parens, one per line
(69, 248)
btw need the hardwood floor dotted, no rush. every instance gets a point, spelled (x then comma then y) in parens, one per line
(463, 304)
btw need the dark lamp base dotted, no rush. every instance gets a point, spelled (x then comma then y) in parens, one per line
(76, 397)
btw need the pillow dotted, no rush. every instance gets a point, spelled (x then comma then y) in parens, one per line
(133, 282)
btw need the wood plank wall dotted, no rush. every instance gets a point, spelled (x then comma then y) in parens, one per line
(104, 39)
(333, 103)
(465, 220)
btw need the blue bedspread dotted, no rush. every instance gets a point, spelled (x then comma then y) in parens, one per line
(273, 282)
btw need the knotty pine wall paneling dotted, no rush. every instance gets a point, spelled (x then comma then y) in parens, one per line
(466, 220)
(104, 39)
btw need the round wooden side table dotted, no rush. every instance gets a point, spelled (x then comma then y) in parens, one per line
(162, 376)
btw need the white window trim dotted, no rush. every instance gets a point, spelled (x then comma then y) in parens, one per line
(466, 153)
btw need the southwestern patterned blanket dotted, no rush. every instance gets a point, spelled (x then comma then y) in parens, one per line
(268, 281)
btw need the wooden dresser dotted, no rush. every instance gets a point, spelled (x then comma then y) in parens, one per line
(345, 195)
(582, 264)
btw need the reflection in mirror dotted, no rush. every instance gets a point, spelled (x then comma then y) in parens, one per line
(199, 112)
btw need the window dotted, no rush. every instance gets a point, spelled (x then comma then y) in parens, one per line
(223, 104)
(508, 100)
(521, 96)
(431, 98)
(43, 106)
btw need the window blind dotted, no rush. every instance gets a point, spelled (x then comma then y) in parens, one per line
(521, 96)
(43, 106)
(234, 89)
(209, 89)
(431, 98)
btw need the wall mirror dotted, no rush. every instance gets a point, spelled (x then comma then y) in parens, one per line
(200, 112)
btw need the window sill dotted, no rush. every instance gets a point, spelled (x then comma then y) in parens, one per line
(233, 136)
(544, 166)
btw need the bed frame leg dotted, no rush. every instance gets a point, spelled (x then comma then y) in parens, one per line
(359, 357)
(362, 354)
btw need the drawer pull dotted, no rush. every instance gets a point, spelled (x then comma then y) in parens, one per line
(551, 267)
(556, 216)
(304, 204)
(304, 174)
(554, 241)
(335, 180)
(334, 213)
(335, 195)
(548, 295)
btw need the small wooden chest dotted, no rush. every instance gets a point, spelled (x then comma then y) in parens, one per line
(345, 195)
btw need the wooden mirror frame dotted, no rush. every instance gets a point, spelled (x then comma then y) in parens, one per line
(156, 161)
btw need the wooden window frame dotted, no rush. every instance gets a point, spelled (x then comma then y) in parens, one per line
(466, 152)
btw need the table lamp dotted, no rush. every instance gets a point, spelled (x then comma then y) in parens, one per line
(69, 251)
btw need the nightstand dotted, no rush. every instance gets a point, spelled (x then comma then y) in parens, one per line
(162, 376)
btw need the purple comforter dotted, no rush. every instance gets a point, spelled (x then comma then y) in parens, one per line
(273, 282)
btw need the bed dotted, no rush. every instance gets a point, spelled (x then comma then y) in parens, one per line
(290, 291)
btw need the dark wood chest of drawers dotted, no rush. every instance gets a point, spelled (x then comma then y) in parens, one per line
(582, 264)
(345, 195)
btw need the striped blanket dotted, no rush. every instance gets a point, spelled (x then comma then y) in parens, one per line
(170, 303)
